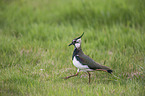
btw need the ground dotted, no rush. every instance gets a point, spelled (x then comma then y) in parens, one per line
(35, 56)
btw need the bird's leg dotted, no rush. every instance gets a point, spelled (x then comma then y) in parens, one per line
(89, 77)
(72, 75)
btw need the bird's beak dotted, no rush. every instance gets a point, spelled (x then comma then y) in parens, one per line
(70, 44)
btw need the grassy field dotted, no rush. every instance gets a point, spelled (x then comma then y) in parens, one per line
(34, 52)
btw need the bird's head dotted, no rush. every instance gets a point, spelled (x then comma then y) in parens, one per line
(77, 41)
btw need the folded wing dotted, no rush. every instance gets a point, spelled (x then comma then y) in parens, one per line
(86, 60)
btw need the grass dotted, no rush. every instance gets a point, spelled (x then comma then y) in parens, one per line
(34, 52)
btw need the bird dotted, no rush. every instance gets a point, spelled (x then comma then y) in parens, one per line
(83, 62)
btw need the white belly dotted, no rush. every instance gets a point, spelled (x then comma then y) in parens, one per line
(79, 65)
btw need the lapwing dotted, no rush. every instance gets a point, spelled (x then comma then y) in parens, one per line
(84, 62)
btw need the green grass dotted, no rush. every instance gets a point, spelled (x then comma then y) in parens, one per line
(34, 52)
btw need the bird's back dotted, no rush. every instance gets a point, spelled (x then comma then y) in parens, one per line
(86, 60)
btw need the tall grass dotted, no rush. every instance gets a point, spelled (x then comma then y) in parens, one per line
(34, 52)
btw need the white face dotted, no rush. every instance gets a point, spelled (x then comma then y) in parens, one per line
(78, 43)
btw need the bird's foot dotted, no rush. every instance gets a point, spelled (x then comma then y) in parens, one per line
(66, 77)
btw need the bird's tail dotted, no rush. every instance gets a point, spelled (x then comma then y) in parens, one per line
(110, 71)
(105, 68)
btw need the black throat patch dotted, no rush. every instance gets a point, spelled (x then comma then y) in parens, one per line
(76, 51)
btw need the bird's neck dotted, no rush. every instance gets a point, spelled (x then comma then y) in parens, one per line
(77, 51)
